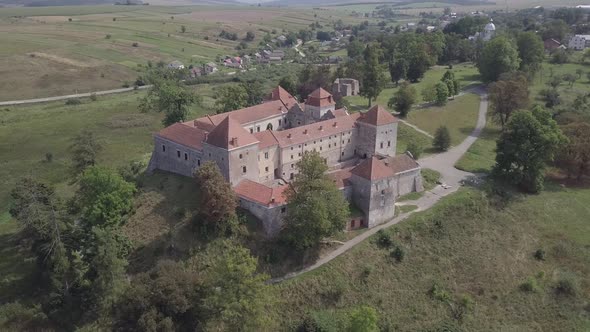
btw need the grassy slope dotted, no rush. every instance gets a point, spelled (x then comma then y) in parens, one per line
(459, 115)
(478, 250)
(481, 155)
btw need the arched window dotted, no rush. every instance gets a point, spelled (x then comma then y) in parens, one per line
(269, 127)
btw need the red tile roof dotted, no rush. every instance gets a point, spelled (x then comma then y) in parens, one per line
(373, 169)
(339, 112)
(229, 134)
(401, 163)
(285, 97)
(244, 115)
(320, 98)
(341, 177)
(316, 130)
(184, 134)
(377, 116)
(266, 139)
(261, 194)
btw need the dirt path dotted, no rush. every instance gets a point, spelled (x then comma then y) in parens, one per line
(450, 176)
(78, 95)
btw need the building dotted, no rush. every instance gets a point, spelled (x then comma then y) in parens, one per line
(257, 150)
(487, 34)
(345, 87)
(551, 45)
(210, 68)
(579, 42)
(176, 65)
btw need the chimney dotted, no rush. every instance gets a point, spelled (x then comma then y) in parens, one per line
(335, 124)
(234, 141)
(321, 127)
(206, 135)
(305, 132)
(289, 135)
(272, 199)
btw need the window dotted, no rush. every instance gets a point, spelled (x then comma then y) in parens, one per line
(329, 145)
(266, 155)
(279, 122)
(269, 126)
(178, 153)
(388, 143)
(291, 156)
(291, 176)
(266, 169)
(349, 140)
(243, 169)
(299, 154)
(381, 145)
(185, 156)
(163, 148)
(258, 128)
(283, 209)
(320, 148)
(209, 154)
(241, 156)
(198, 162)
(292, 165)
(291, 148)
(251, 130)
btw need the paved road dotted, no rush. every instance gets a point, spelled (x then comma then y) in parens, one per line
(78, 95)
(450, 176)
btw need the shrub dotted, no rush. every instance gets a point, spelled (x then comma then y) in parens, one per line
(540, 254)
(530, 285)
(438, 293)
(398, 254)
(135, 44)
(442, 139)
(384, 239)
(567, 284)
(73, 101)
(126, 84)
(107, 36)
(93, 97)
(49, 157)
(70, 19)
(415, 149)
(365, 273)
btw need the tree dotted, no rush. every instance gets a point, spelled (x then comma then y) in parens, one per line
(498, 56)
(288, 83)
(556, 29)
(442, 139)
(355, 49)
(551, 97)
(170, 97)
(559, 56)
(255, 92)
(316, 208)
(363, 319)
(452, 83)
(429, 93)
(531, 51)
(313, 77)
(579, 73)
(575, 155)
(182, 29)
(231, 98)
(398, 69)
(217, 200)
(235, 295)
(403, 99)
(415, 149)
(85, 149)
(373, 79)
(570, 78)
(104, 198)
(442, 94)
(528, 142)
(323, 36)
(507, 95)
(250, 36)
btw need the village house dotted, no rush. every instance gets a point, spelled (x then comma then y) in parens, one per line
(176, 65)
(210, 68)
(257, 150)
(551, 44)
(579, 42)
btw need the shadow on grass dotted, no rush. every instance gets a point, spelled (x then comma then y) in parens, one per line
(19, 279)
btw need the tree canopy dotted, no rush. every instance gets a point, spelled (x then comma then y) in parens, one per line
(170, 97)
(498, 56)
(403, 99)
(507, 95)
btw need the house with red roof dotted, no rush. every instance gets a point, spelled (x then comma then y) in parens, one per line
(258, 148)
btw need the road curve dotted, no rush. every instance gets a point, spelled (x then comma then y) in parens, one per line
(78, 95)
(450, 176)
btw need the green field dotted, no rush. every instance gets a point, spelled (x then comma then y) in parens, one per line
(50, 51)
(471, 249)
(481, 156)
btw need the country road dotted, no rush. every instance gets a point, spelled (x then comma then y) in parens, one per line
(78, 95)
(450, 176)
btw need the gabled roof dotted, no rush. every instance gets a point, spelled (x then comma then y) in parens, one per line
(320, 98)
(401, 163)
(266, 139)
(316, 130)
(372, 169)
(244, 115)
(285, 97)
(377, 116)
(229, 134)
(185, 135)
(261, 194)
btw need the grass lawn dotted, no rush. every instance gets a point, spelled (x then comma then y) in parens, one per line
(567, 93)
(481, 156)
(468, 248)
(407, 134)
(459, 116)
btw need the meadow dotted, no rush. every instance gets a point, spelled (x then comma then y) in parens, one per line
(63, 50)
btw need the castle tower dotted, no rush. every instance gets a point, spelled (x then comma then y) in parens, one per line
(234, 150)
(373, 190)
(377, 133)
(318, 103)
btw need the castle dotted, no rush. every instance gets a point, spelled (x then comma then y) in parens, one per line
(257, 149)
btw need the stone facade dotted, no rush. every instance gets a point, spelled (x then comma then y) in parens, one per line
(346, 87)
(257, 147)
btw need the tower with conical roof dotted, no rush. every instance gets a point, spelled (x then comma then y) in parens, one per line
(318, 103)
(234, 150)
(377, 133)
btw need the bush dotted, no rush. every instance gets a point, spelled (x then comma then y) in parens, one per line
(530, 285)
(73, 101)
(438, 293)
(107, 36)
(540, 254)
(415, 149)
(384, 239)
(93, 97)
(442, 139)
(398, 254)
(132, 171)
(49, 157)
(567, 284)
(135, 44)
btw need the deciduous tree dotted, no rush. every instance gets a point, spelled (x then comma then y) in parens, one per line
(498, 56)
(574, 157)
(507, 95)
(231, 98)
(85, 149)
(531, 51)
(374, 78)
(442, 139)
(403, 99)
(170, 97)
(442, 93)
